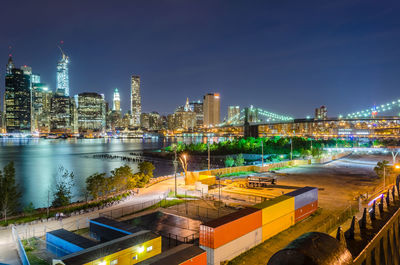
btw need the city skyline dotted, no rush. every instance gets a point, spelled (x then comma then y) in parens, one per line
(247, 59)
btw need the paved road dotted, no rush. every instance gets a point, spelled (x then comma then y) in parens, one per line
(8, 251)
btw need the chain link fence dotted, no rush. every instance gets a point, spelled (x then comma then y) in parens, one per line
(131, 209)
(333, 221)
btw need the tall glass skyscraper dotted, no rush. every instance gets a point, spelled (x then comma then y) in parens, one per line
(62, 76)
(136, 105)
(17, 100)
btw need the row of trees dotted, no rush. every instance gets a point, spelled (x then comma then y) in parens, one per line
(273, 145)
(121, 179)
(97, 185)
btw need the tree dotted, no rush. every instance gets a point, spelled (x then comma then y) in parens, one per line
(65, 182)
(239, 160)
(141, 179)
(383, 168)
(316, 152)
(146, 168)
(120, 177)
(229, 161)
(29, 209)
(95, 184)
(9, 193)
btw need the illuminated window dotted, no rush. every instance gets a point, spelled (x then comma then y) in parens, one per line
(114, 262)
(148, 249)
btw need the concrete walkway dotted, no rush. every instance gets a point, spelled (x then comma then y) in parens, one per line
(8, 250)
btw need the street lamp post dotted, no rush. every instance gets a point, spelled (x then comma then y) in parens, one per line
(175, 169)
(208, 150)
(262, 152)
(384, 177)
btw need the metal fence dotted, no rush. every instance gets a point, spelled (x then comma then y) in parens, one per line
(131, 209)
(200, 212)
(20, 248)
(333, 221)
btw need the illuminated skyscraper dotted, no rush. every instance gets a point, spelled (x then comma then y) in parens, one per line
(116, 101)
(136, 105)
(211, 107)
(62, 76)
(10, 65)
(91, 113)
(17, 100)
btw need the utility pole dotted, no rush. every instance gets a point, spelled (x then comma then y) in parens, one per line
(208, 147)
(175, 169)
(262, 152)
(384, 177)
(48, 201)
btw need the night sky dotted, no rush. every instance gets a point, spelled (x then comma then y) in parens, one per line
(284, 56)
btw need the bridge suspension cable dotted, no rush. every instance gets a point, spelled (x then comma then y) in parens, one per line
(374, 110)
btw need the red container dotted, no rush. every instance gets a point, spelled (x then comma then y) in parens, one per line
(223, 230)
(305, 211)
(200, 259)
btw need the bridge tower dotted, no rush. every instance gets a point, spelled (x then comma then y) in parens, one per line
(249, 130)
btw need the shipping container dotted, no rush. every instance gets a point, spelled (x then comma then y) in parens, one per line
(62, 242)
(130, 249)
(223, 230)
(233, 248)
(305, 211)
(304, 196)
(278, 225)
(275, 208)
(184, 254)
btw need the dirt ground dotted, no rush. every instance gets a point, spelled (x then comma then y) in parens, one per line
(340, 183)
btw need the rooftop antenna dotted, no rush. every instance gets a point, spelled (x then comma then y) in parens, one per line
(59, 46)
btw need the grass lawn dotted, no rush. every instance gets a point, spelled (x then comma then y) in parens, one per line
(171, 194)
(240, 173)
(30, 252)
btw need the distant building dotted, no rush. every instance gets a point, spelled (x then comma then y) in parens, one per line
(62, 87)
(116, 101)
(197, 107)
(126, 121)
(35, 79)
(27, 70)
(184, 118)
(63, 116)
(91, 113)
(150, 121)
(41, 107)
(211, 109)
(321, 113)
(114, 120)
(10, 65)
(233, 113)
(136, 105)
(17, 101)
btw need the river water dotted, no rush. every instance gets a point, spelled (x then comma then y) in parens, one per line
(37, 162)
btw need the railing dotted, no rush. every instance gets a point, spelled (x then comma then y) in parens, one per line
(20, 248)
(384, 247)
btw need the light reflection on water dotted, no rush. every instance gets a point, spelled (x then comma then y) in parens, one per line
(37, 161)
